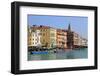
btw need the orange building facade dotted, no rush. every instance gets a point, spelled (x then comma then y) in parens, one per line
(61, 38)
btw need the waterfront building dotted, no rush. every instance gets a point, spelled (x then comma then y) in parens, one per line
(52, 37)
(79, 41)
(84, 42)
(48, 35)
(34, 38)
(45, 35)
(74, 40)
(61, 38)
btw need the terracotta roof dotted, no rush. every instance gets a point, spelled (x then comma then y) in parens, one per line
(63, 30)
(39, 27)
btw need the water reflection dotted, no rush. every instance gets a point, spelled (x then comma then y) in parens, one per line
(73, 54)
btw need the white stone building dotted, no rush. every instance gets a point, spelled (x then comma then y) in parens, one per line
(34, 38)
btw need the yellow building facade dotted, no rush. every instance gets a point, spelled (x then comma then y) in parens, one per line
(53, 37)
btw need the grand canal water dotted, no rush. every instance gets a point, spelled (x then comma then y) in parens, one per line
(68, 54)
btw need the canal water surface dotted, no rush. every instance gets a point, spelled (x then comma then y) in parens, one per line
(71, 54)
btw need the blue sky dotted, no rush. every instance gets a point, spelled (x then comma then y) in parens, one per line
(78, 24)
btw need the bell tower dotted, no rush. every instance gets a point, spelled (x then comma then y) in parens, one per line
(69, 28)
(69, 37)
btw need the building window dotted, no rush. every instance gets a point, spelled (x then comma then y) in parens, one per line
(39, 33)
(43, 34)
